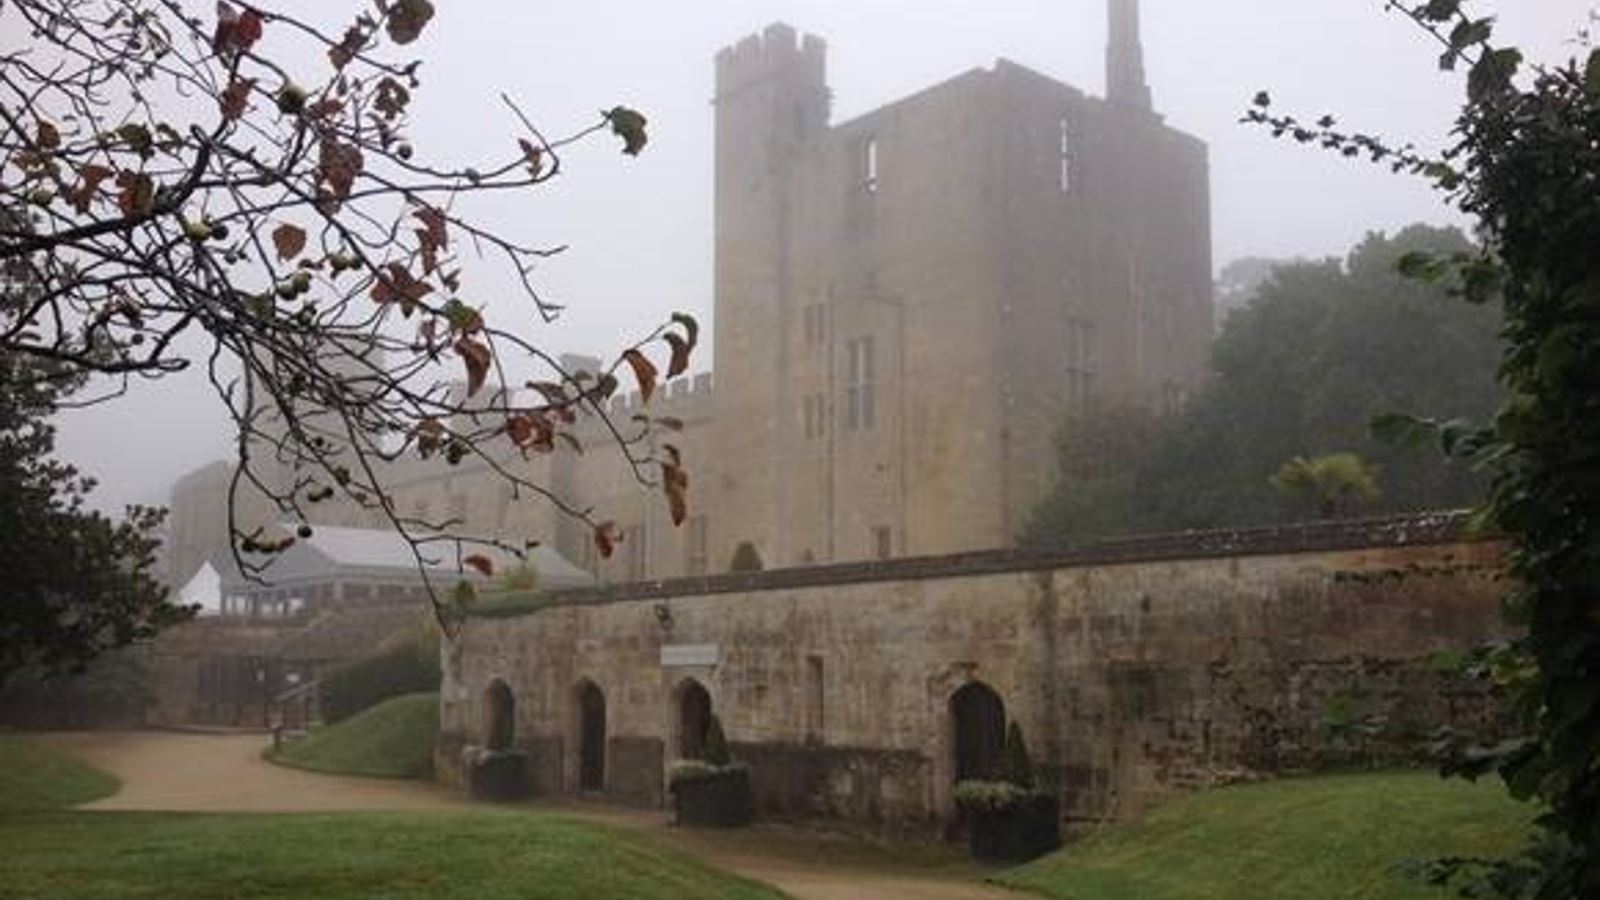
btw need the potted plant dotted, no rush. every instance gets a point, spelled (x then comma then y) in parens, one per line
(1011, 818)
(714, 791)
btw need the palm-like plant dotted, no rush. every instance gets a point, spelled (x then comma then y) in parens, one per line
(1336, 482)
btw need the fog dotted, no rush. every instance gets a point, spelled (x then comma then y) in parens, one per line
(639, 230)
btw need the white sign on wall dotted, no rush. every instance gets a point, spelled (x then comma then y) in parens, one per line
(686, 655)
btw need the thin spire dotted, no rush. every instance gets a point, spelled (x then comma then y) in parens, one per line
(1125, 84)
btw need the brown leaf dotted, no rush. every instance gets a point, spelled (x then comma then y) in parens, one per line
(432, 237)
(407, 18)
(644, 371)
(680, 355)
(236, 99)
(49, 137)
(289, 239)
(534, 156)
(477, 358)
(137, 196)
(343, 52)
(396, 283)
(482, 563)
(91, 176)
(337, 167)
(675, 484)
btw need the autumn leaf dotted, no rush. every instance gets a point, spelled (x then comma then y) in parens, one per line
(289, 239)
(49, 137)
(432, 236)
(341, 53)
(482, 563)
(137, 196)
(691, 328)
(236, 32)
(236, 99)
(407, 18)
(680, 355)
(337, 166)
(396, 283)
(534, 156)
(91, 175)
(628, 124)
(644, 371)
(477, 358)
(675, 484)
(606, 538)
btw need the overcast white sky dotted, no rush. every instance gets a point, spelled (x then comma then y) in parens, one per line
(640, 230)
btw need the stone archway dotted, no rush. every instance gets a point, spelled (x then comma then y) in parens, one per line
(591, 733)
(978, 732)
(500, 716)
(693, 718)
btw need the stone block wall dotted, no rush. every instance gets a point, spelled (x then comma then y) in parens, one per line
(1135, 670)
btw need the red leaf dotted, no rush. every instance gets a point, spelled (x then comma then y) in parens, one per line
(91, 176)
(248, 30)
(236, 98)
(644, 371)
(606, 538)
(482, 563)
(477, 358)
(227, 24)
(395, 283)
(289, 239)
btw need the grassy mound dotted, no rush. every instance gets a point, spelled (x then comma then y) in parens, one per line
(1296, 839)
(393, 739)
(34, 777)
(397, 856)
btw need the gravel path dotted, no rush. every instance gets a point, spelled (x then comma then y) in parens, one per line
(183, 772)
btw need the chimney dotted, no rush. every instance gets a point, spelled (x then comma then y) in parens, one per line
(1125, 84)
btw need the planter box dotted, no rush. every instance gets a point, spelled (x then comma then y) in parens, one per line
(720, 800)
(1019, 833)
(498, 775)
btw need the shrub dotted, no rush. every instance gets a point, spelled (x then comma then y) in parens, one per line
(1018, 765)
(405, 666)
(681, 771)
(990, 796)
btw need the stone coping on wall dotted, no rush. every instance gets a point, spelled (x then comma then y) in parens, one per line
(1308, 537)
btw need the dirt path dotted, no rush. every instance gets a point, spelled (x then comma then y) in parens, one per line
(172, 771)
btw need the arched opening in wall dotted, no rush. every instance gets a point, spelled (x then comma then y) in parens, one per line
(500, 711)
(694, 717)
(591, 704)
(979, 719)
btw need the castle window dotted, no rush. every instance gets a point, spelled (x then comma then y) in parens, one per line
(870, 163)
(816, 324)
(860, 404)
(635, 556)
(1066, 156)
(815, 416)
(1079, 363)
(696, 545)
(883, 541)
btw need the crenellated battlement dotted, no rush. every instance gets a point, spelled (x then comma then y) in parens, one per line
(681, 397)
(779, 51)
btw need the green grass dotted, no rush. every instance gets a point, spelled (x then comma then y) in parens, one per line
(1297, 839)
(396, 856)
(34, 777)
(393, 739)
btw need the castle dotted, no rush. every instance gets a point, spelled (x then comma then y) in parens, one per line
(906, 306)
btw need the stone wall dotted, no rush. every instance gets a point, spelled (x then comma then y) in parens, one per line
(1135, 669)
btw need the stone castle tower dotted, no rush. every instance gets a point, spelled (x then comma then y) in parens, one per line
(907, 303)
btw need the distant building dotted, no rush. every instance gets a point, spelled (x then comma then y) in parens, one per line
(906, 305)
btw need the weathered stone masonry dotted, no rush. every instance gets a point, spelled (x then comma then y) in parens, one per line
(1135, 669)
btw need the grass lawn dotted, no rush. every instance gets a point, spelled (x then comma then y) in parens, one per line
(394, 739)
(49, 852)
(34, 778)
(397, 856)
(1297, 839)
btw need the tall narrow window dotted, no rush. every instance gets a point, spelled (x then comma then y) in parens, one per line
(696, 546)
(870, 163)
(883, 539)
(1080, 362)
(1066, 156)
(635, 553)
(814, 699)
(860, 402)
(815, 414)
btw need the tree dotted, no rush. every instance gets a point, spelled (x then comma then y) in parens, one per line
(1299, 371)
(247, 181)
(75, 582)
(1523, 165)
(1335, 483)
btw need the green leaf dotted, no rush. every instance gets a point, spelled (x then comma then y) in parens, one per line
(1440, 10)
(1492, 73)
(628, 124)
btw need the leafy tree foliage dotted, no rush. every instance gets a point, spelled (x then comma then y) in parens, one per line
(246, 183)
(1336, 483)
(1296, 373)
(75, 583)
(1525, 166)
